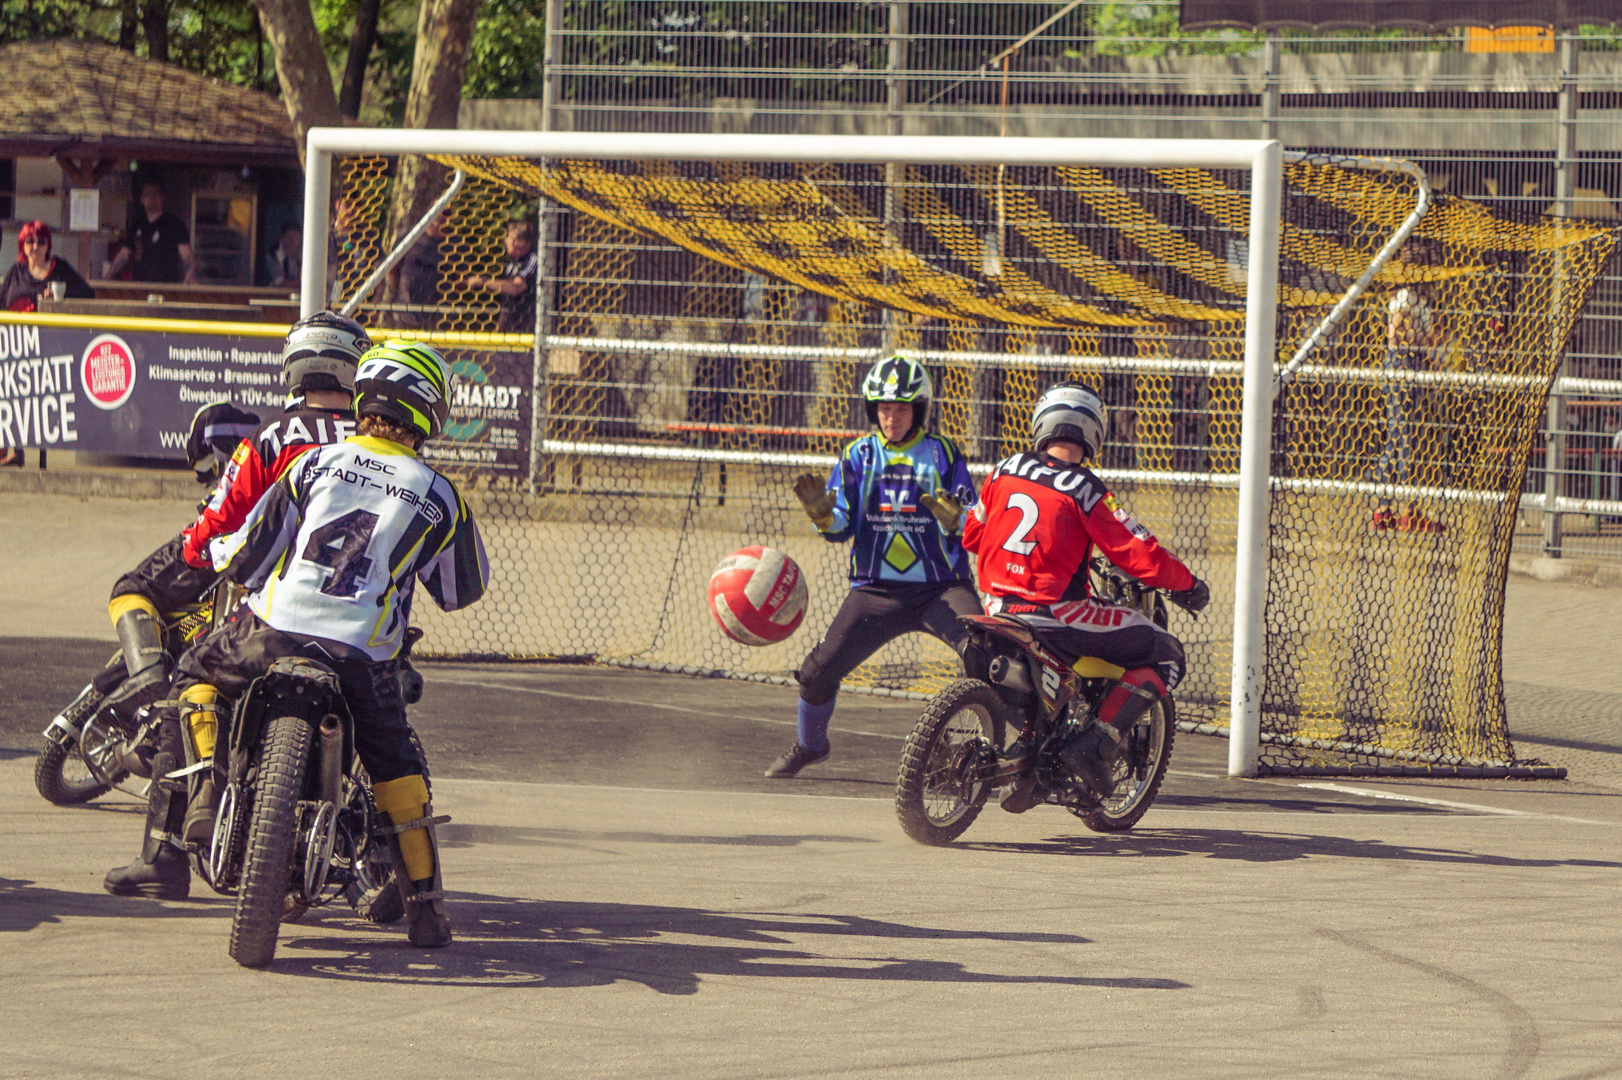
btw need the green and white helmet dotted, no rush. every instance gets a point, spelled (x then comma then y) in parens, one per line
(898, 378)
(407, 382)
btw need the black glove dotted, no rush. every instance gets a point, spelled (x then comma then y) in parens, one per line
(1192, 599)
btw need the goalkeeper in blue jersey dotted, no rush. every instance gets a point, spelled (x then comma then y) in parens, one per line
(332, 555)
(897, 496)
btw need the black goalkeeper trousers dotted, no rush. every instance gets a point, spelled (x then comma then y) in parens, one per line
(874, 615)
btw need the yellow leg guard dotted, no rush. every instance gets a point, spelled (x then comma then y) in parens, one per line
(123, 605)
(204, 727)
(405, 800)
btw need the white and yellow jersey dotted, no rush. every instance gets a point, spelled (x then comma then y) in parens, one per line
(335, 548)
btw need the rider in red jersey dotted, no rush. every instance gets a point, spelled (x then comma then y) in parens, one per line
(1039, 518)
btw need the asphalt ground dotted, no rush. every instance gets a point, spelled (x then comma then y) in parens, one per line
(632, 898)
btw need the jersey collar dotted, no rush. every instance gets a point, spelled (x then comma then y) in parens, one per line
(381, 446)
(908, 443)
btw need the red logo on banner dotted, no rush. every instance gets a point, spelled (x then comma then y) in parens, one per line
(108, 372)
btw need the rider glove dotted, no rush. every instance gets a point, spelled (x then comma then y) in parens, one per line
(947, 510)
(813, 495)
(1192, 599)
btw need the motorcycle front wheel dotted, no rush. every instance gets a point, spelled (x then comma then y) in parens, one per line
(267, 864)
(62, 775)
(941, 787)
(1138, 772)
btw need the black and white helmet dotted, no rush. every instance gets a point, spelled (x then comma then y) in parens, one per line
(1069, 412)
(898, 378)
(321, 353)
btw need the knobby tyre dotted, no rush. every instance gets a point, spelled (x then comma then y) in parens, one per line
(60, 774)
(1139, 771)
(272, 835)
(939, 791)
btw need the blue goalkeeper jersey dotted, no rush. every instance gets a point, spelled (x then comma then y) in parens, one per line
(875, 486)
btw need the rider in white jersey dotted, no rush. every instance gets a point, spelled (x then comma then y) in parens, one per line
(333, 553)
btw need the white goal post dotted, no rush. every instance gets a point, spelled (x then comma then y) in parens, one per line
(1263, 159)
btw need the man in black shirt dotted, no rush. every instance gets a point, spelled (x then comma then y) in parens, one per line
(161, 244)
(516, 284)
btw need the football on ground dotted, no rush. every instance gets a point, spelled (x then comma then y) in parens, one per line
(757, 596)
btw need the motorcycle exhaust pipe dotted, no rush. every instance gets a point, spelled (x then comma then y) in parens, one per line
(331, 738)
(1009, 673)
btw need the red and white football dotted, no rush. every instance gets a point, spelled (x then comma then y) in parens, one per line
(757, 596)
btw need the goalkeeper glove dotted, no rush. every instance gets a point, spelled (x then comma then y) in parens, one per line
(1192, 599)
(813, 495)
(947, 510)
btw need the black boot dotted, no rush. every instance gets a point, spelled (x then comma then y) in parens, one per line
(166, 877)
(1092, 754)
(1091, 757)
(162, 870)
(427, 925)
(200, 814)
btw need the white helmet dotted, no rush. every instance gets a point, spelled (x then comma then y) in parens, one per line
(1069, 412)
(321, 353)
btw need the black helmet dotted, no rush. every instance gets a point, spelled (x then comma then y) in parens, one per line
(321, 353)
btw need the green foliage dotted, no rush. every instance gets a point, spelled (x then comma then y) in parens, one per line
(222, 38)
(27, 20)
(508, 42)
(1141, 29)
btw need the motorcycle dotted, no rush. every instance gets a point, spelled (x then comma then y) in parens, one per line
(954, 759)
(297, 827)
(80, 758)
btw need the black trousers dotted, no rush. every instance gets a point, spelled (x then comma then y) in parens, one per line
(243, 649)
(167, 579)
(874, 615)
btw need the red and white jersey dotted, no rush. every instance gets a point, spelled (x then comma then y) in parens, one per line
(1036, 525)
(258, 463)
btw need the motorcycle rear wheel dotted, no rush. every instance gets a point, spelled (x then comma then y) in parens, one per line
(1139, 771)
(61, 775)
(938, 790)
(267, 865)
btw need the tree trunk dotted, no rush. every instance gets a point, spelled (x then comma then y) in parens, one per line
(129, 24)
(444, 36)
(360, 51)
(301, 66)
(155, 21)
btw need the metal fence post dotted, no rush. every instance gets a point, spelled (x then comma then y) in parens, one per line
(1565, 184)
(545, 258)
(1272, 95)
(895, 88)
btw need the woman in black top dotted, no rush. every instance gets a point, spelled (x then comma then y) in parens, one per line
(32, 274)
(35, 269)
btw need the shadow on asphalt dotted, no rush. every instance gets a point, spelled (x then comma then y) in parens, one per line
(24, 905)
(509, 941)
(1250, 846)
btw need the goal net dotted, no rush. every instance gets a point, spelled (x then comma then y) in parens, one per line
(704, 327)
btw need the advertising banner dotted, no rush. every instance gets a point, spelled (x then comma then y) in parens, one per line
(134, 394)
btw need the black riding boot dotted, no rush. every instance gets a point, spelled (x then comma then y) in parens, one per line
(1092, 754)
(162, 871)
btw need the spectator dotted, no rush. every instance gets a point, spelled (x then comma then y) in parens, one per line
(160, 241)
(1415, 341)
(516, 284)
(36, 268)
(417, 287)
(285, 265)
